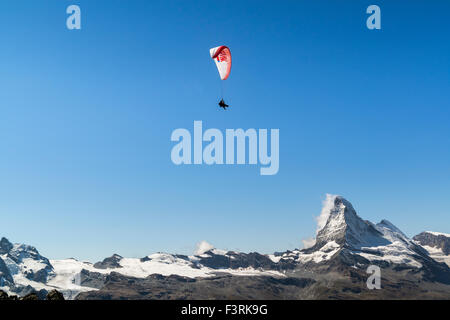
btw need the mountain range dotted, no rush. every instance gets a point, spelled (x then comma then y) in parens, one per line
(334, 266)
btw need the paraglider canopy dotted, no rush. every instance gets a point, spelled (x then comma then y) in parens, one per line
(222, 58)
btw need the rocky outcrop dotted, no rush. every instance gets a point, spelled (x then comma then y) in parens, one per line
(235, 260)
(5, 275)
(119, 287)
(3, 295)
(435, 240)
(109, 263)
(33, 296)
(55, 295)
(5, 246)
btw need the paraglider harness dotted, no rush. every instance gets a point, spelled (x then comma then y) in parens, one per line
(223, 105)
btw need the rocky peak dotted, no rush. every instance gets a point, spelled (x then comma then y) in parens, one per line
(111, 262)
(24, 259)
(5, 246)
(5, 275)
(345, 227)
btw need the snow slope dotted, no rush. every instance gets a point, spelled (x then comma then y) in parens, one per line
(67, 272)
(438, 254)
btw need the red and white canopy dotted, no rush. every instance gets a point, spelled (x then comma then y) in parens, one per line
(222, 58)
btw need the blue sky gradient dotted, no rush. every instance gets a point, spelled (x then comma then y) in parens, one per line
(86, 118)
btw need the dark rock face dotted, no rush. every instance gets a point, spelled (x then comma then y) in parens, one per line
(33, 295)
(40, 275)
(176, 287)
(92, 279)
(5, 275)
(434, 240)
(5, 246)
(54, 295)
(3, 295)
(234, 260)
(28, 290)
(111, 262)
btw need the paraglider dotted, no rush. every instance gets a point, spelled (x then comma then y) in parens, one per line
(222, 57)
(223, 105)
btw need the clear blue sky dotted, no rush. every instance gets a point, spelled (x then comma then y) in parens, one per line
(86, 118)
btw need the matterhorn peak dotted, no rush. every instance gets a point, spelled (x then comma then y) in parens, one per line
(333, 206)
(344, 226)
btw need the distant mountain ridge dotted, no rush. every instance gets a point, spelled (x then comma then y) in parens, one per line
(436, 240)
(437, 244)
(334, 267)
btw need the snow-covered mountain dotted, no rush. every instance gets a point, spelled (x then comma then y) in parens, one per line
(23, 269)
(345, 244)
(346, 233)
